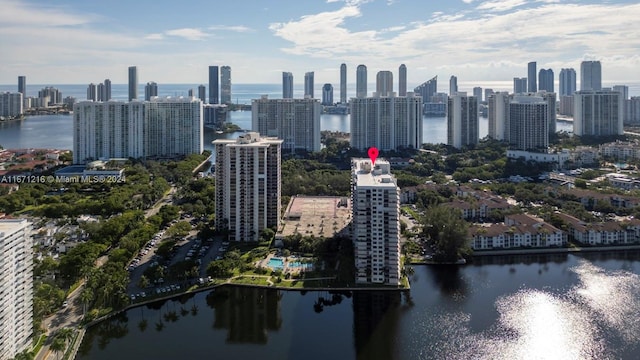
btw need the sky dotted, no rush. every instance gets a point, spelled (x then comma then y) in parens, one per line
(78, 42)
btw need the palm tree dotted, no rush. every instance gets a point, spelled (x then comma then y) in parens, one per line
(66, 334)
(86, 296)
(57, 346)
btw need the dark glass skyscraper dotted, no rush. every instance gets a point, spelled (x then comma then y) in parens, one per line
(287, 85)
(214, 98)
(107, 90)
(202, 93)
(133, 83)
(343, 83)
(590, 75)
(225, 84)
(567, 82)
(532, 85)
(308, 84)
(361, 81)
(545, 79)
(22, 86)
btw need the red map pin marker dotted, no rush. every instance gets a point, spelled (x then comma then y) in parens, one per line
(373, 155)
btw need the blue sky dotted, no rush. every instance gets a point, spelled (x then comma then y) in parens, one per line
(77, 42)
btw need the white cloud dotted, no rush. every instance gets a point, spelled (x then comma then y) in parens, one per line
(467, 1)
(156, 36)
(235, 28)
(500, 5)
(187, 33)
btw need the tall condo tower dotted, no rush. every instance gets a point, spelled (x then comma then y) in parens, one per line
(202, 93)
(545, 80)
(16, 285)
(101, 92)
(214, 97)
(295, 121)
(308, 84)
(453, 85)
(327, 94)
(22, 86)
(375, 204)
(386, 122)
(528, 123)
(361, 81)
(343, 83)
(133, 83)
(225, 84)
(107, 90)
(567, 82)
(287, 85)
(402, 80)
(92, 92)
(248, 185)
(498, 104)
(531, 77)
(598, 113)
(150, 90)
(384, 83)
(462, 120)
(519, 85)
(590, 75)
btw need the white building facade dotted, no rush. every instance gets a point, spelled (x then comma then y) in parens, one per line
(598, 113)
(386, 122)
(375, 226)
(162, 127)
(16, 287)
(462, 120)
(11, 104)
(248, 185)
(295, 121)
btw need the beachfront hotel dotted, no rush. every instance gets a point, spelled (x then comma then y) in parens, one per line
(375, 226)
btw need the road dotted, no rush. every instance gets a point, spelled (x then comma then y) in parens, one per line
(71, 315)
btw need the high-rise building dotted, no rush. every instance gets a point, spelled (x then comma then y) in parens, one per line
(552, 117)
(308, 84)
(623, 90)
(100, 89)
(327, 94)
(133, 83)
(487, 94)
(531, 77)
(402, 80)
(519, 85)
(248, 185)
(11, 104)
(386, 122)
(16, 286)
(590, 75)
(150, 90)
(50, 95)
(22, 86)
(92, 92)
(295, 121)
(375, 204)
(598, 113)
(202, 93)
(528, 123)
(632, 110)
(567, 82)
(107, 90)
(498, 108)
(361, 81)
(545, 80)
(343, 83)
(287, 85)
(384, 83)
(160, 128)
(462, 120)
(566, 105)
(225, 84)
(427, 89)
(453, 85)
(214, 97)
(477, 92)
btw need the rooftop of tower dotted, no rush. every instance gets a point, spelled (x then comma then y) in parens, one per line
(378, 176)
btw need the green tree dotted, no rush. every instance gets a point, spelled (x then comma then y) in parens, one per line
(447, 232)
(57, 346)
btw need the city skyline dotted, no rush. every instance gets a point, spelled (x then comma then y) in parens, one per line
(296, 38)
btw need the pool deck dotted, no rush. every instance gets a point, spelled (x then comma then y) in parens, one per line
(286, 264)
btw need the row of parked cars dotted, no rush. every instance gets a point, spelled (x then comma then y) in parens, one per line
(148, 246)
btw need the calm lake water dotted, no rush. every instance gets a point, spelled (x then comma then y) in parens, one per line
(519, 307)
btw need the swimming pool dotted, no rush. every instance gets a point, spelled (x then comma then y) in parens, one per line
(276, 263)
